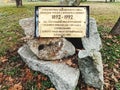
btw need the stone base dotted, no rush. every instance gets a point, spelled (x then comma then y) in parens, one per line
(90, 60)
(62, 76)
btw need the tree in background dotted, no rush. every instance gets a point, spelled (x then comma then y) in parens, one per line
(112, 0)
(70, 2)
(116, 29)
(18, 3)
(76, 3)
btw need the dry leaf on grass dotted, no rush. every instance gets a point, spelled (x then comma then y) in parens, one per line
(109, 44)
(116, 65)
(109, 36)
(1, 74)
(114, 78)
(118, 76)
(9, 39)
(115, 71)
(3, 59)
(39, 77)
(39, 85)
(1, 77)
(10, 79)
(43, 78)
(107, 85)
(29, 75)
(26, 38)
(16, 87)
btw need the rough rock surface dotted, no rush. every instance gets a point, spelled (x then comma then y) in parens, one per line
(52, 48)
(46, 48)
(92, 69)
(28, 26)
(61, 75)
(90, 61)
(94, 41)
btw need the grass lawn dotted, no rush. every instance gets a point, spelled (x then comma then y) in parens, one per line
(10, 31)
(106, 14)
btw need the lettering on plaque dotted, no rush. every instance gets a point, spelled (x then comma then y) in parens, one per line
(61, 21)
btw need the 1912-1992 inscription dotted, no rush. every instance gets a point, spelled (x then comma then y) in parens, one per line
(62, 21)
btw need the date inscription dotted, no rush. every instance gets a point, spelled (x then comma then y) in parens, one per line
(62, 16)
(62, 21)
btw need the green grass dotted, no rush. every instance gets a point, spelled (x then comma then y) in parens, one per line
(106, 14)
(117, 86)
(10, 30)
(111, 49)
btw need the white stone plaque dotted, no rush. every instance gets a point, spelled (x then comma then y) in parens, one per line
(62, 21)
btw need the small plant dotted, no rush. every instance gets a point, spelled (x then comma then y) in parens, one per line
(15, 58)
(30, 85)
(4, 87)
(13, 72)
(117, 86)
(46, 84)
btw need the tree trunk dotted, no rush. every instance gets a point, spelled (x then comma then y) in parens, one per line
(111, 0)
(77, 3)
(18, 3)
(116, 29)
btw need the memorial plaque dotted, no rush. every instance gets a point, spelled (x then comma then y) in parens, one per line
(61, 21)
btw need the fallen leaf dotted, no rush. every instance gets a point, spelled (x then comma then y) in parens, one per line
(29, 75)
(26, 38)
(3, 59)
(16, 87)
(118, 61)
(107, 85)
(109, 44)
(105, 65)
(1, 74)
(43, 78)
(118, 76)
(114, 78)
(116, 65)
(10, 38)
(39, 77)
(39, 85)
(115, 71)
(1, 77)
(109, 36)
(69, 62)
(10, 79)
